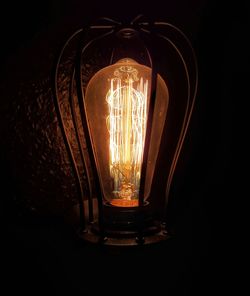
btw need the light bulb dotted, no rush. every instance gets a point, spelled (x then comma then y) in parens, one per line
(116, 104)
(127, 99)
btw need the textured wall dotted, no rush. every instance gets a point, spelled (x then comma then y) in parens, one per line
(31, 139)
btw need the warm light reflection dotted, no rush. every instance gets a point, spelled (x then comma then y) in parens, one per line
(127, 101)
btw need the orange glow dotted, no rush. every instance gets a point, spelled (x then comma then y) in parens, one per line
(124, 202)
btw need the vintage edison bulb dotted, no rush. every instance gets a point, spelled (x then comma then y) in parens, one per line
(116, 105)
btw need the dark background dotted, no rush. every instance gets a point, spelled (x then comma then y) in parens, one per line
(44, 258)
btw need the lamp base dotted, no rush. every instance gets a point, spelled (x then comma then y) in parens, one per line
(121, 228)
(125, 239)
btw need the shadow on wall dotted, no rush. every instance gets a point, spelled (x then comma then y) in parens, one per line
(33, 150)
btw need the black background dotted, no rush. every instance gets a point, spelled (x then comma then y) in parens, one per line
(43, 259)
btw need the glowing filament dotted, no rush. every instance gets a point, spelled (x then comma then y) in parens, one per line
(127, 125)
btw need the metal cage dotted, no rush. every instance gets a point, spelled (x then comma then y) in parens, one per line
(166, 50)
